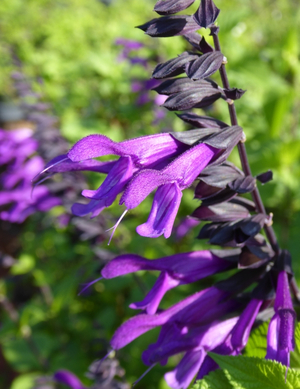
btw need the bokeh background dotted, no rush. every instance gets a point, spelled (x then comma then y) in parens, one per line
(64, 54)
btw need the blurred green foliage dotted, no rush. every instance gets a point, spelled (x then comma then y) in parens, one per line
(70, 46)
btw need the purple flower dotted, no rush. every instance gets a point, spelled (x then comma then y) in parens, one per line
(147, 163)
(196, 344)
(175, 270)
(67, 378)
(170, 181)
(186, 313)
(280, 340)
(236, 340)
(17, 201)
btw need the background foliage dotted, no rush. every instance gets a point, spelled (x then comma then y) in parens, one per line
(67, 50)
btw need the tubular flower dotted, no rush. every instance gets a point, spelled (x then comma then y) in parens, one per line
(147, 163)
(175, 270)
(193, 326)
(280, 340)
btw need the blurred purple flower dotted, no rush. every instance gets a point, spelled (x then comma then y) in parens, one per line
(17, 201)
(142, 86)
(67, 378)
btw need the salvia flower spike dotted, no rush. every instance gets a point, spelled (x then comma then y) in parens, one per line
(220, 317)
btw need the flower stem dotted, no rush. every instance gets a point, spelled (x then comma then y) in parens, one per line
(243, 154)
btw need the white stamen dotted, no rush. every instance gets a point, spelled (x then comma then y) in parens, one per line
(115, 226)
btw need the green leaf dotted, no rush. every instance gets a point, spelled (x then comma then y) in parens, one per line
(257, 343)
(24, 381)
(24, 265)
(295, 355)
(215, 380)
(248, 373)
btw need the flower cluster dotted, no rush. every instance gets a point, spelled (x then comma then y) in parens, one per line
(220, 317)
(19, 166)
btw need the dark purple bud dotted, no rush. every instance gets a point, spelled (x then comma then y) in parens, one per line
(208, 230)
(258, 246)
(190, 137)
(167, 26)
(204, 66)
(265, 289)
(201, 121)
(226, 211)
(184, 84)
(193, 38)
(253, 224)
(167, 7)
(283, 262)
(206, 14)
(245, 202)
(250, 260)
(265, 177)
(204, 191)
(221, 196)
(205, 47)
(227, 138)
(234, 93)
(243, 185)
(220, 176)
(174, 66)
(240, 280)
(187, 100)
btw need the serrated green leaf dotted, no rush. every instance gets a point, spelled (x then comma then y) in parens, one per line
(215, 380)
(249, 372)
(295, 356)
(257, 343)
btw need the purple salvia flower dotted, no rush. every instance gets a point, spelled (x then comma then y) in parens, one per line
(17, 201)
(174, 339)
(280, 339)
(145, 164)
(170, 181)
(185, 313)
(236, 339)
(175, 270)
(67, 378)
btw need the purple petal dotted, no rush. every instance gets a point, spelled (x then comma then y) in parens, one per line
(207, 366)
(184, 373)
(283, 296)
(183, 170)
(67, 378)
(163, 212)
(95, 207)
(171, 341)
(188, 267)
(185, 312)
(151, 302)
(144, 150)
(241, 331)
(185, 226)
(114, 183)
